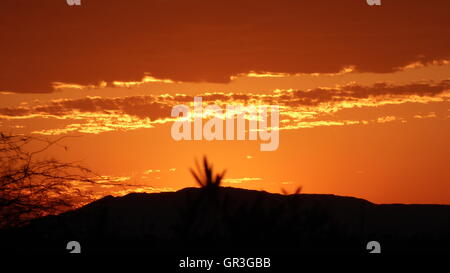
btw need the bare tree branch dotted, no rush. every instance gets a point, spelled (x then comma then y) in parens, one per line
(31, 187)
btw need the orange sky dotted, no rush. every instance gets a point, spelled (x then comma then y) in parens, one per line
(364, 91)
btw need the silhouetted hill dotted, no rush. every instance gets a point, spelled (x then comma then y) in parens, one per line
(236, 219)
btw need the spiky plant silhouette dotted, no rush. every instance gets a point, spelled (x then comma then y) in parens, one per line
(206, 178)
(297, 191)
(202, 215)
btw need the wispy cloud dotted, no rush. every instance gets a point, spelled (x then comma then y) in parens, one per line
(298, 108)
(427, 115)
(241, 180)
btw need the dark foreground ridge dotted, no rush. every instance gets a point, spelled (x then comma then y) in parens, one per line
(230, 219)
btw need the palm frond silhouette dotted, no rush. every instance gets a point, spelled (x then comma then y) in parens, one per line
(205, 178)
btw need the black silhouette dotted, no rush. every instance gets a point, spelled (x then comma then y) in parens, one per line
(32, 187)
(230, 219)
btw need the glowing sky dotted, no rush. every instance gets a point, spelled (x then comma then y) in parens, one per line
(364, 92)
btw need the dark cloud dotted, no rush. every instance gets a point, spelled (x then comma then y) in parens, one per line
(354, 92)
(14, 112)
(379, 89)
(139, 106)
(46, 41)
(156, 107)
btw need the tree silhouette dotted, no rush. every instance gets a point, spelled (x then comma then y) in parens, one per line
(31, 187)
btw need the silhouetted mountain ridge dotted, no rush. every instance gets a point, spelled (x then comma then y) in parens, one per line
(236, 219)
